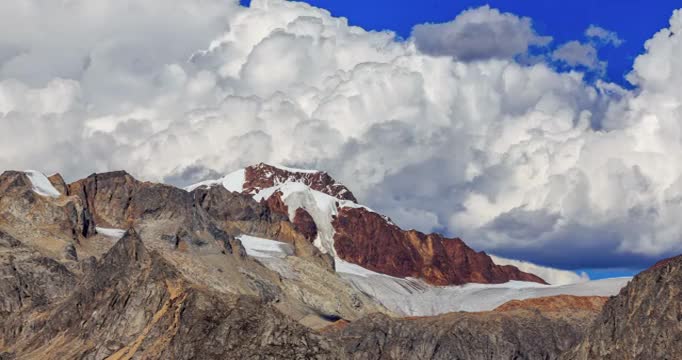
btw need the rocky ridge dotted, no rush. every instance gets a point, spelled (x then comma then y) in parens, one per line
(180, 284)
(135, 304)
(643, 322)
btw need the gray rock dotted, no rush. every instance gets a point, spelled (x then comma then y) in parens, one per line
(643, 322)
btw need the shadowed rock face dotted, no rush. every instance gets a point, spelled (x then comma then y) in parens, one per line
(305, 224)
(29, 279)
(224, 205)
(108, 197)
(135, 304)
(521, 333)
(369, 240)
(263, 176)
(277, 205)
(643, 322)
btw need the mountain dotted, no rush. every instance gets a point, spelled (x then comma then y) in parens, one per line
(267, 262)
(357, 234)
(643, 322)
(530, 329)
(134, 303)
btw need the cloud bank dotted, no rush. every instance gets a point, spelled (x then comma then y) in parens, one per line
(517, 159)
(550, 275)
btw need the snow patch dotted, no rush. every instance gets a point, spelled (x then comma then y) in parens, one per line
(234, 182)
(294, 170)
(113, 233)
(414, 297)
(41, 184)
(550, 275)
(265, 248)
(321, 207)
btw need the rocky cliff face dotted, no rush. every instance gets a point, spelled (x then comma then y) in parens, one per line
(134, 304)
(520, 331)
(54, 224)
(643, 322)
(371, 241)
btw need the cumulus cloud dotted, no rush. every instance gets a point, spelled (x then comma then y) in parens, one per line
(515, 158)
(604, 36)
(575, 53)
(585, 54)
(550, 275)
(477, 34)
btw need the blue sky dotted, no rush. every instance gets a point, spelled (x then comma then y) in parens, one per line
(634, 21)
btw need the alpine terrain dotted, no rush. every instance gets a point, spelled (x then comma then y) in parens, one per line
(271, 262)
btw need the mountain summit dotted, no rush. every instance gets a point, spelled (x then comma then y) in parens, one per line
(358, 235)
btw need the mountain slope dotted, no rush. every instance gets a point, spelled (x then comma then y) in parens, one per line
(356, 234)
(135, 304)
(643, 322)
(112, 267)
(524, 330)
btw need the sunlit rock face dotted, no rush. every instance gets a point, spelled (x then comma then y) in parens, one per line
(371, 241)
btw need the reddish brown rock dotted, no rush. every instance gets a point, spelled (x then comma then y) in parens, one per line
(263, 176)
(367, 239)
(305, 224)
(58, 182)
(560, 303)
(277, 205)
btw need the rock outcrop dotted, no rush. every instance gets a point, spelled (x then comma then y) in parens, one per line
(305, 224)
(263, 176)
(643, 322)
(557, 303)
(371, 241)
(515, 332)
(35, 219)
(28, 279)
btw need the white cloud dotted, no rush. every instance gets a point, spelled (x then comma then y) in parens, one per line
(603, 35)
(574, 53)
(550, 275)
(479, 34)
(514, 158)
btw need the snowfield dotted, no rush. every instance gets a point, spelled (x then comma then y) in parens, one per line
(232, 182)
(41, 184)
(414, 297)
(112, 233)
(265, 248)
